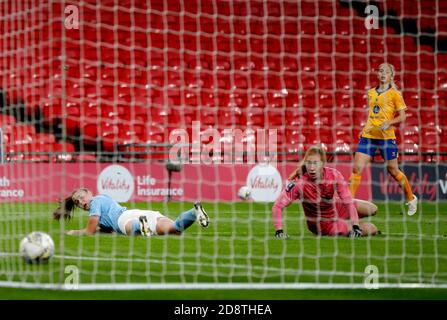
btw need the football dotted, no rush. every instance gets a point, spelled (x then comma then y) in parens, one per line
(37, 247)
(244, 193)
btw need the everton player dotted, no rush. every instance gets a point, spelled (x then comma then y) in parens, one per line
(386, 109)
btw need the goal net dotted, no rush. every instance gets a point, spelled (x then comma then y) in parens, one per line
(161, 103)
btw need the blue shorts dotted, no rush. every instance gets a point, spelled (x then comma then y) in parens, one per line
(387, 148)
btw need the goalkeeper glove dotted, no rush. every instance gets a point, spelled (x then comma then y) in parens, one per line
(356, 232)
(280, 234)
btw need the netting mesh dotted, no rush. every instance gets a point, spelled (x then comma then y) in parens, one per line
(92, 83)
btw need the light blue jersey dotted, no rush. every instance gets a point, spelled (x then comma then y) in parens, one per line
(108, 211)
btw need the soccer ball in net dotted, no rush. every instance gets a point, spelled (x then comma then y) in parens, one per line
(244, 193)
(37, 247)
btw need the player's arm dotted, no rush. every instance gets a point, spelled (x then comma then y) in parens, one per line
(400, 109)
(367, 114)
(400, 118)
(346, 199)
(92, 224)
(93, 220)
(289, 194)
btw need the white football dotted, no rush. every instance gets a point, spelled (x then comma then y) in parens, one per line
(244, 193)
(37, 247)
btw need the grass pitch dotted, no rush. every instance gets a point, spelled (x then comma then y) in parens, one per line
(238, 247)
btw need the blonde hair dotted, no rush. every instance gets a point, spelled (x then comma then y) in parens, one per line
(66, 206)
(316, 150)
(313, 150)
(393, 72)
(78, 193)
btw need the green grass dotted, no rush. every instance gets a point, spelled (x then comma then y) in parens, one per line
(237, 247)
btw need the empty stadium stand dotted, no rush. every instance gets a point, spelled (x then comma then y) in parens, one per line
(136, 70)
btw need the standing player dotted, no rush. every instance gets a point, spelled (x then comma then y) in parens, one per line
(326, 200)
(106, 214)
(384, 102)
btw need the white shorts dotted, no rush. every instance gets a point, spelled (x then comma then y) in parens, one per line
(128, 215)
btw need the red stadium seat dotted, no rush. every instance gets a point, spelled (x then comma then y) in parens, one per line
(275, 119)
(249, 72)
(256, 100)
(343, 152)
(343, 120)
(60, 151)
(324, 26)
(429, 118)
(208, 117)
(343, 100)
(430, 139)
(412, 118)
(343, 45)
(288, 63)
(307, 26)
(292, 8)
(290, 45)
(223, 26)
(291, 27)
(325, 81)
(257, 27)
(44, 138)
(223, 44)
(29, 152)
(275, 100)
(19, 134)
(226, 118)
(85, 157)
(308, 100)
(256, 117)
(343, 26)
(308, 44)
(7, 120)
(222, 63)
(410, 150)
(294, 118)
(324, 45)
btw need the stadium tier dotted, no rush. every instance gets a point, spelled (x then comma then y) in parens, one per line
(92, 92)
(133, 67)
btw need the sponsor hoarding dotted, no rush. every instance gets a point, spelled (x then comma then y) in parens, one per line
(127, 182)
(428, 181)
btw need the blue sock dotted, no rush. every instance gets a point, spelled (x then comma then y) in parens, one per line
(136, 227)
(185, 220)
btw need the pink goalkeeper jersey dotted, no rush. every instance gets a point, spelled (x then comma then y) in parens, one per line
(318, 200)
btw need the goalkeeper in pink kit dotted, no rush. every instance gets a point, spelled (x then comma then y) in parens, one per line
(326, 200)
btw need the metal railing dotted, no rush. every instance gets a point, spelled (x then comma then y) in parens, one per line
(159, 152)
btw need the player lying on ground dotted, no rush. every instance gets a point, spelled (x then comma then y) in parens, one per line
(106, 214)
(386, 109)
(326, 200)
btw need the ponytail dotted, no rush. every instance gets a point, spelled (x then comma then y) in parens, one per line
(65, 209)
(298, 172)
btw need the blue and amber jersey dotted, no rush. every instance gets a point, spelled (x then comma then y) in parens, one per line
(382, 106)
